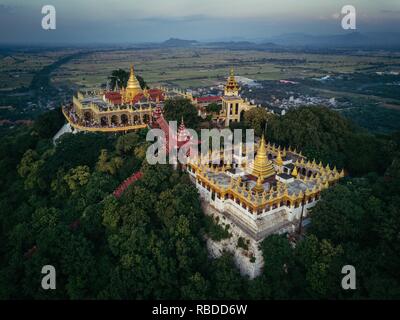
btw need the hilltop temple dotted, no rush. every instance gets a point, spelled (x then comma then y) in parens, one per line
(265, 195)
(131, 107)
(123, 109)
(271, 193)
(257, 193)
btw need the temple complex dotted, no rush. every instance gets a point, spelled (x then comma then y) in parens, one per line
(130, 108)
(269, 190)
(265, 195)
(272, 194)
(124, 109)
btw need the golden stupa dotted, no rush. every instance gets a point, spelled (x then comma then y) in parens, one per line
(262, 166)
(259, 186)
(133, 87)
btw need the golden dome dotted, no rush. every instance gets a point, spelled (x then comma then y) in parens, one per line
(262, 165)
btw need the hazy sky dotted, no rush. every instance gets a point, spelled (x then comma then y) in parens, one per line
(105, 21)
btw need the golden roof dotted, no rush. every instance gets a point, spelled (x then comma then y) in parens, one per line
(262, 166)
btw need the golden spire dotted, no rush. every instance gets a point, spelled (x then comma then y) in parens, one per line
(249, 196)
(146, 93)
(279, 160)
(262, 165)
(259, 186)
(133, 82)
(294, 172)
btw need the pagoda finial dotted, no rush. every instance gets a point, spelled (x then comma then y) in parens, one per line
(232, 72)
(262, 144)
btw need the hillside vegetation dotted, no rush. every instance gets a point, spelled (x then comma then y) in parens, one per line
(58, 209)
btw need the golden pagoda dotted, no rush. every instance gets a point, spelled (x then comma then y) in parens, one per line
(262, 166)
(295, 173)
(133, 87)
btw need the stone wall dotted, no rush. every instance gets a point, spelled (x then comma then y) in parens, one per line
(250, 261)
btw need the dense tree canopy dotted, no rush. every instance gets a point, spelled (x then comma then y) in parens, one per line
(47, 124)
(179, 108)
(58, 208)
(257, 119)
(213, 107)
(325, 135)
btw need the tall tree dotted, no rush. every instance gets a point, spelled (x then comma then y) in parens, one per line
(179, 108)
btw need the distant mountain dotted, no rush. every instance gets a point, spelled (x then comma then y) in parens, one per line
(174, 42)
(344, 41)
(352, 39)
(241, 45)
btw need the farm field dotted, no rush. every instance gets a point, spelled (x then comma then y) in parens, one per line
(18, 68)
(202, 67)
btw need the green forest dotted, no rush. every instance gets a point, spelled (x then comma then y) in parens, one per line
(57, 208)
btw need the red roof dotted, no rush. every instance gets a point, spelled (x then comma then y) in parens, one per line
(113, 97)
(208, 99)
(153, 93)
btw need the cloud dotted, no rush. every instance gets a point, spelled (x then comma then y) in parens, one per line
(396, 12)
(189, 18)
(7, 9)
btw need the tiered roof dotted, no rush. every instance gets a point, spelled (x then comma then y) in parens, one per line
(231, 84)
